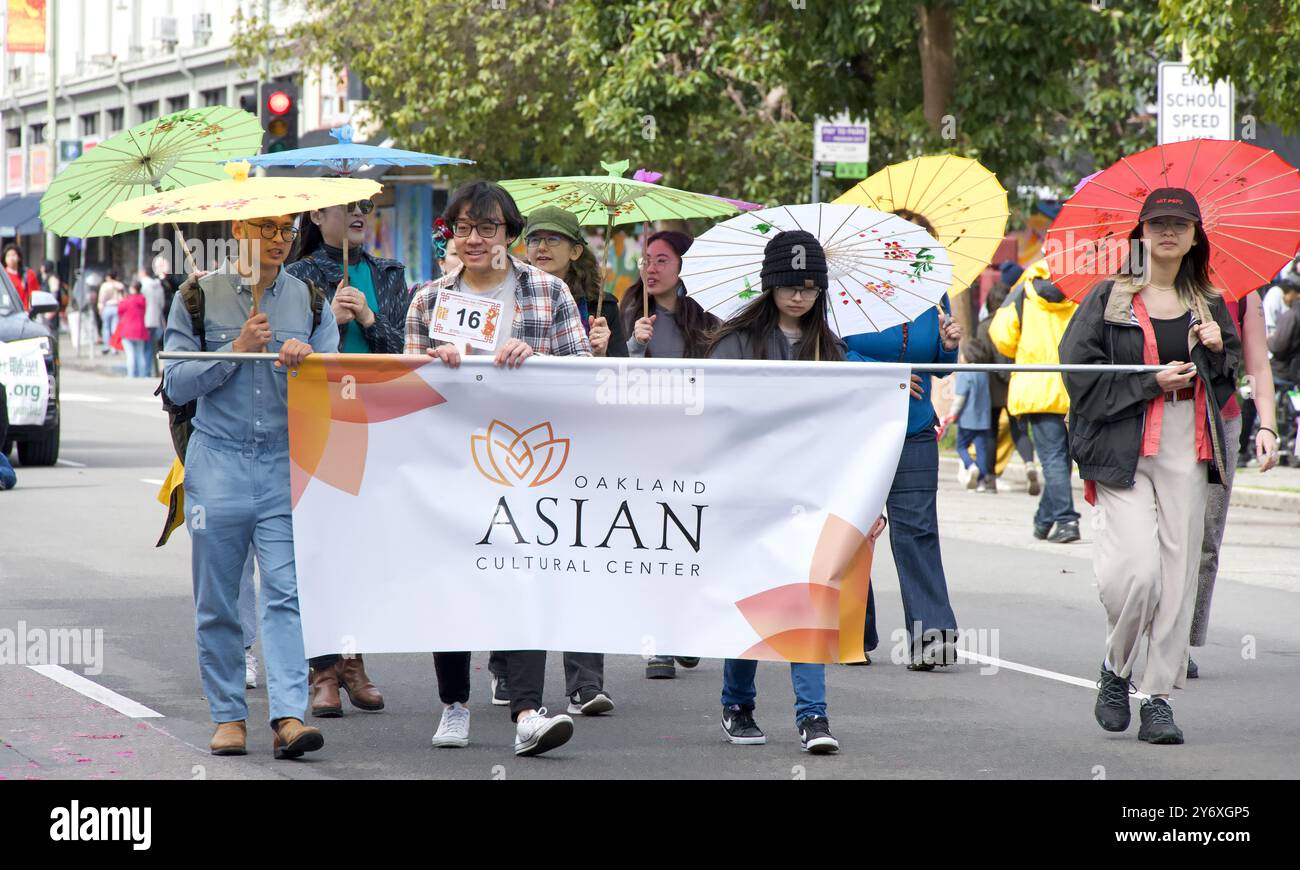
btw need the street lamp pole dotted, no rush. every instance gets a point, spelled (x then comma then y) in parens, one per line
(52, 125)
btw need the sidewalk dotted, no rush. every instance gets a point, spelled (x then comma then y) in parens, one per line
(1278, 490)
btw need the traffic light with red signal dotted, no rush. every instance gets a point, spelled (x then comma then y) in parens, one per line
(278, 112)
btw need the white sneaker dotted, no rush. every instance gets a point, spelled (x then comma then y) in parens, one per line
(962, 475)
(969, 476)
(535, 733)
(453, 729)
(250, 669)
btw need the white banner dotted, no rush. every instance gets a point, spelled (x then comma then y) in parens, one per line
(27, 383)
(703, 508)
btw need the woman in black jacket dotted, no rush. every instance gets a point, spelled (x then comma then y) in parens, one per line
(371, 311)
(371, 314)
(1148, 446)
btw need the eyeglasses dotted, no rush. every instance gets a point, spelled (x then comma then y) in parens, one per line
(550, 240)
(486, 229)
(365, 206)
(270, 231)
(661, 262)
(1173, 225)
(791, 292)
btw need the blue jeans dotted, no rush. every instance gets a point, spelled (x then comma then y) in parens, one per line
(983, 458)
(1057, 502)
(914, 541)
(809, 686)
(248, 601)
(139, 357)
(237, 496)
(109, 317)
(8, 478)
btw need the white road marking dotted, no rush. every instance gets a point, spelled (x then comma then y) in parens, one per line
(83, 397)
(151, 481)
(95, 692)
(1029, 669)
(70, 463)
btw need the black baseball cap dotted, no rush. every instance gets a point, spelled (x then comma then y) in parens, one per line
(1170, 202)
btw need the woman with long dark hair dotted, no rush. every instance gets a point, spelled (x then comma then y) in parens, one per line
(371, 314)
(23, 279)
(1148, 446)
(787, 322)
(371, 311)
(676, 327)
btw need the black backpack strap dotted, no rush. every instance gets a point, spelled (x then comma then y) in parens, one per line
(317, 304)
(192, 296)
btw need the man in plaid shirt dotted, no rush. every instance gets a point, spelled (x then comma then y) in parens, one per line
(543, 318)
(538, 315)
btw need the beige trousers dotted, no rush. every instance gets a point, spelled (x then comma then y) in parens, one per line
(1148, 553)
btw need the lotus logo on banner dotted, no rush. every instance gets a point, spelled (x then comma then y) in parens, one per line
(509, 457)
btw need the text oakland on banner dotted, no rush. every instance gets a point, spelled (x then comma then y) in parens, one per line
(719, 509)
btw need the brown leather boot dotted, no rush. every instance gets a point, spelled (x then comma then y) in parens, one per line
(361, 692)
(230, 738)
(293, 738)
(325, 701)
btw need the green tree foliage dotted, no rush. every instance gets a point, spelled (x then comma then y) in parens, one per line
(720, 95)
(1255, 43)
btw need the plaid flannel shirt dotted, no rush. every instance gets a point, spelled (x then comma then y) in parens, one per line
(546, 317)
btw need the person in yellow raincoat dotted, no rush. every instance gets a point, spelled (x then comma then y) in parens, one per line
(1028, 328)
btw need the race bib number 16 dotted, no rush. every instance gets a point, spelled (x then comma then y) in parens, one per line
(466, 319)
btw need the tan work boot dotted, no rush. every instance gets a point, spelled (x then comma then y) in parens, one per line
(361, 692)
(325, 701)
(230, 738)
(293, 738)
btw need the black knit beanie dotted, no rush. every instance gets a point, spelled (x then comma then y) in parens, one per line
(794, 258)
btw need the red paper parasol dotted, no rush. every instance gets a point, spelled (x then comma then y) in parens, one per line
(1250, 206)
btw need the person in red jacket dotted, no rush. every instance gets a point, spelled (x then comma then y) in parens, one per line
(134, 334)
(23, 279)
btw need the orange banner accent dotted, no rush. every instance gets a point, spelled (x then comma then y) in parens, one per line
(26, 27)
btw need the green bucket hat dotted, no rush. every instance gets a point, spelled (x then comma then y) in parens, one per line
(555, 220)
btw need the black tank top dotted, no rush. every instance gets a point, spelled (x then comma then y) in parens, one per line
(1171, 338)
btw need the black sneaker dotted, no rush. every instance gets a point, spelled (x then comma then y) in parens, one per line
(739, 726)
(660, 668)
(815, 736)
(866, 660)
(1064, 533)
(590, 702)
(687, 662)
(1041, 531)
(1112, 710)
(1193, 672)
(500, 694)
(1158, 722)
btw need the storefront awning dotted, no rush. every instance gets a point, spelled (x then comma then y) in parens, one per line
(20, 215)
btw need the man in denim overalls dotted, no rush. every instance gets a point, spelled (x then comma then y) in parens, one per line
(237, 476)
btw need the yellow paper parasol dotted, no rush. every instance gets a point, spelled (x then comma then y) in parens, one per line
(242, 198)
(964, 203)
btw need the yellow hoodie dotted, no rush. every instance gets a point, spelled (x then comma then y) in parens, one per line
(1030, 332)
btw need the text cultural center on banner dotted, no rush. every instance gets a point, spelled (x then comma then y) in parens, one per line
(719, 510)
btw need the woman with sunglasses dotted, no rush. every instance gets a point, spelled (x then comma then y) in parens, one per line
(371, 314)
(1149, 444)
(371, 308)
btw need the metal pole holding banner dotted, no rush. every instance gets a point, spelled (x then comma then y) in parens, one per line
(920, 367)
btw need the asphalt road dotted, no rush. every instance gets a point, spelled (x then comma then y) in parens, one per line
(76, 550)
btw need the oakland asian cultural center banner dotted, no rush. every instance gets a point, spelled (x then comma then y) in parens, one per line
(701, 508)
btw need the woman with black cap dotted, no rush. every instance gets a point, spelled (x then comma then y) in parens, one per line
(1148, 446)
